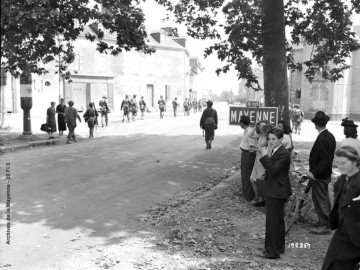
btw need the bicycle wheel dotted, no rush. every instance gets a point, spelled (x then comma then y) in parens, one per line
(291, 212)
(304, 207)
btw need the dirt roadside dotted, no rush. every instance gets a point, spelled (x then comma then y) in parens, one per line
(214, 228)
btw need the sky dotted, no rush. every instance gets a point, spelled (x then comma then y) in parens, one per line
(154, 14)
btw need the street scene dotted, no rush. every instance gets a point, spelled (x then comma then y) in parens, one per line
(180, 135)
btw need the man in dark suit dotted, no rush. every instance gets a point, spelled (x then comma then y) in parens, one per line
(320, 163)
(276, 161)
(344, 249)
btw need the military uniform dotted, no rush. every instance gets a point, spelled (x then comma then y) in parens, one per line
(194, 105)
(175, 106)
(104, 110)
(209, 122)
(126, 106)
(142, 105)
(162, 104)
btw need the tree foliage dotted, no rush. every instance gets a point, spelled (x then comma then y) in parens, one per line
(323, 24)
(36, 32)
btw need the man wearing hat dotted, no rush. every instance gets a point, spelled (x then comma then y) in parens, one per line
(350, 133)
(296, 117)
(209, 122)
(104, 110)
(320, 169)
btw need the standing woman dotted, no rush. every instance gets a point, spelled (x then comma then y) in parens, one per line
(50, 119)
(276, 161)
(70, 118)
(350, 132)
(90, 117)
(344, 249)
(258, 170)
(60, 110)
(209, 122)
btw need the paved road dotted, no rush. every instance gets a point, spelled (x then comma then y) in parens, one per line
(67, 200)
(97, 188)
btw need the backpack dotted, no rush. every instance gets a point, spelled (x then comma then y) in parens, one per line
(210, 120)
(297, 114)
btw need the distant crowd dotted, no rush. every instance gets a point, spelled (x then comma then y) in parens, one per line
(130, 106)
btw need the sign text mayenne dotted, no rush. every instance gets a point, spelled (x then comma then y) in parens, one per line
(261, 113)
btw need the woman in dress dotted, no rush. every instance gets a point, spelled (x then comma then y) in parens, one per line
(260, 135)
(90, 117)
(50, 119)
(60, 110)
(344, 249)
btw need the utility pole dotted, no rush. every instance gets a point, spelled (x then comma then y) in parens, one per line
(26, 100)
(2, 96)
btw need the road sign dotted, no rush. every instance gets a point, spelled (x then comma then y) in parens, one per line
(262, 113)
(252, 103)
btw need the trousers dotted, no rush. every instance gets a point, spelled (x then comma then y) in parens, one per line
(320, 196)
(247, 164)
(275, 227)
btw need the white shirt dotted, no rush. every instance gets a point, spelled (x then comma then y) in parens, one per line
(275, 149)
(246, 140)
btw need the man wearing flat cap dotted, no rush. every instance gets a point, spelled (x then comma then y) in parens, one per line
(350, 133)
(320, 169)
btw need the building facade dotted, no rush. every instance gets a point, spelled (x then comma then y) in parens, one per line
(169, 72)
(339, 99)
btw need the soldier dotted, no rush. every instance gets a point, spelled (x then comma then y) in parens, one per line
(209, 122)
(162, 104)
(142, 105)
(104, 110)
(200, 105)
(134, 107)
(296, 118)
(194, 105)
(175, 106)
(125, 106)
(186, 107)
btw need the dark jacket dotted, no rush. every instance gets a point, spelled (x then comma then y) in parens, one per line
(322, 155)
(208, 112)
(277, 174)
(349, 209)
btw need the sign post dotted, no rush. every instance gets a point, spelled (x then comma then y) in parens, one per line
(256, 114)
(26, 100)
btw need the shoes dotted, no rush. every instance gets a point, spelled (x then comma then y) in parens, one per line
(266, 255)
(68, 142)
(259, 203)
(321, 231)
(209, 145)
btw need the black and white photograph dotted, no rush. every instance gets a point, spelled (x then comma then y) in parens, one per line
(180, 135)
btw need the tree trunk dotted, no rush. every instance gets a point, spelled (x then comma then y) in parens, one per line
(274, 63)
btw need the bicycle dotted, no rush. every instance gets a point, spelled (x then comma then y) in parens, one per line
(299, 203)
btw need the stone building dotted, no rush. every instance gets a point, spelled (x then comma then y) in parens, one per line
(171, 72)
(339, 99)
